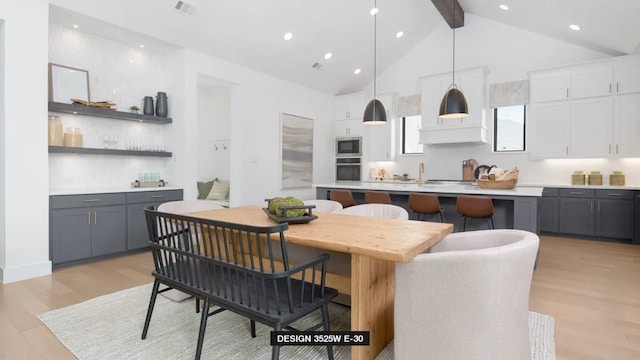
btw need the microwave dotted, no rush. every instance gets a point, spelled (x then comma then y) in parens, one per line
(348, 146)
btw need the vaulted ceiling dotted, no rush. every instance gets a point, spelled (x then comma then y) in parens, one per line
(250, 32)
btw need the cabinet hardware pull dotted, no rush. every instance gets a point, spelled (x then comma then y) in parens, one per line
(598, 206)
(567, 92)
(95, 217)
(566, 150)
(576, 192)
(157, 196)
(91, 200)
(591, 206)
(617, 87)
(614, 194)
(88, 217)
(609, 148)
(616, 148)
(609, 88)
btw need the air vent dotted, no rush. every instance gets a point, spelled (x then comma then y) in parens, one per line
(184, 8)
(316, 65)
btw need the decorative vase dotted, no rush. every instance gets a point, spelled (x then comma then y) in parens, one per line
(147, 107)
(162, 108)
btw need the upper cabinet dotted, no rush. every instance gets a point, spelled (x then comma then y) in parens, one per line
(472, 83)
(379, 140)
(586, 111)
(349, 106)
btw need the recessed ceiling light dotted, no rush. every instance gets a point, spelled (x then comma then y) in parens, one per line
(504, 7)
(75, 26)
(574, 27)
(399, 34)
(328, 56)
(141, 46)
(288, 36)
(357, 71)
(373, 11)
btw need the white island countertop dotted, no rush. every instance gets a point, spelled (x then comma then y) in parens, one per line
(436, 187)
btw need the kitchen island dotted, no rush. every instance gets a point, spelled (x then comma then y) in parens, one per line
(514, 208)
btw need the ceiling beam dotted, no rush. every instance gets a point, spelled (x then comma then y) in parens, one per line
(446, 9)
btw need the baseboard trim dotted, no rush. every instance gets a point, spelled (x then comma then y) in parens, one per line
(24, 272)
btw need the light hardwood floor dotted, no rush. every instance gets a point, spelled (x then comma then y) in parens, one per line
(591, 288)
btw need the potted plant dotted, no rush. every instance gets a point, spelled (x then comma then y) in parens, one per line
(134, 109)
(405, 177)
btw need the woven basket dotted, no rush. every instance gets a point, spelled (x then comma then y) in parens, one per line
(497, 184)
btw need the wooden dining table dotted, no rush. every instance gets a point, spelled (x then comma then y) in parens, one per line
(375, 245)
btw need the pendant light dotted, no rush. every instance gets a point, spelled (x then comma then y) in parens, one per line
(453, 105)
(374, 113)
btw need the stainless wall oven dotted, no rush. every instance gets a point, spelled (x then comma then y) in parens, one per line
(348, 169)
(348, 146)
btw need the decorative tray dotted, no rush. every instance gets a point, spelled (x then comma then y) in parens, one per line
(308, 216)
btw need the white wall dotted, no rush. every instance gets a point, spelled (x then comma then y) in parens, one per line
(24, 196)
(213, 132)
(256, 103)
(509, 53)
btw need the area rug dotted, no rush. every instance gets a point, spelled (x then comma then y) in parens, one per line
(109, 327)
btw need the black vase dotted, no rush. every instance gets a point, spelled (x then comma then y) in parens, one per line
(162, 108)
(147, 107)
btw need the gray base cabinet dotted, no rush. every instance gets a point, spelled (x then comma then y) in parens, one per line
(548, 210)
(92, 225)
(137, 235)
(594, 213)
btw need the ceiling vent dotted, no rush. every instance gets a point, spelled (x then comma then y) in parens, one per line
(316, 65)
(184, 8)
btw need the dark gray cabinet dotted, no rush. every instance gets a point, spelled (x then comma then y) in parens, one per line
(600, 213)
(137, 236)
(548, 210)
(636, 238)
(91, 225)
(84, 226)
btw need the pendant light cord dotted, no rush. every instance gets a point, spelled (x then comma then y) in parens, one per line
(375, 19)
(453, 59)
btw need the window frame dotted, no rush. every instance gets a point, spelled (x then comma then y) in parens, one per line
(524, 130)
(403, 137)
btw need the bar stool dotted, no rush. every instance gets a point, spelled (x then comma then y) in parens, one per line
(478, 207)
(344, 197)
(377, 197)
(425, 204)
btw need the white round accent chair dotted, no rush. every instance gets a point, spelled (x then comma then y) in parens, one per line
(377, 210)
(466, 298)
(324, 205)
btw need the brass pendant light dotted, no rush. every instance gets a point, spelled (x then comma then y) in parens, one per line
(374, 113)
(453, 104)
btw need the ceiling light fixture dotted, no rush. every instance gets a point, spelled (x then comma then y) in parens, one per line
(288, 36)
(399, 34)
(328, 56)
(574, 27)
(141, 46)
(374, 11)
(357, 71)
(75, 26)
(453, 104)
(504, 7)
(374, 113)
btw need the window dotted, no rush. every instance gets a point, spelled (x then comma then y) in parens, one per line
(509, 129)
(411, 134)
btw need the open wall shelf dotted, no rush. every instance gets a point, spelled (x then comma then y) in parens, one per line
(92, 151)
(106, 113)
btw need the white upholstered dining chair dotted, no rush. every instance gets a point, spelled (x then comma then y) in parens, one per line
(187, 206)
(324, 205)
(467, 298)
(377, 210)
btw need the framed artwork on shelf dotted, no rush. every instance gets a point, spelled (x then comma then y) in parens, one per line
(66, 83)
(296, 144)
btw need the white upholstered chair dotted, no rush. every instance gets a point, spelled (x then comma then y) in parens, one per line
(187, 206)
(324, 205)
(377, 210)
(467, 298)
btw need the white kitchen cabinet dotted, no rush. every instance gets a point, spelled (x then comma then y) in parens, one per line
(626, 125)
(349, 106)
(591, 81)
(379, 140)
(551, 86)
(591, 128)
(626, 74)
(472, 83)
(348, 127)
(549, 130)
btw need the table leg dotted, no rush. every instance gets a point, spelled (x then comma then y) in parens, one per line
(372, 292)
